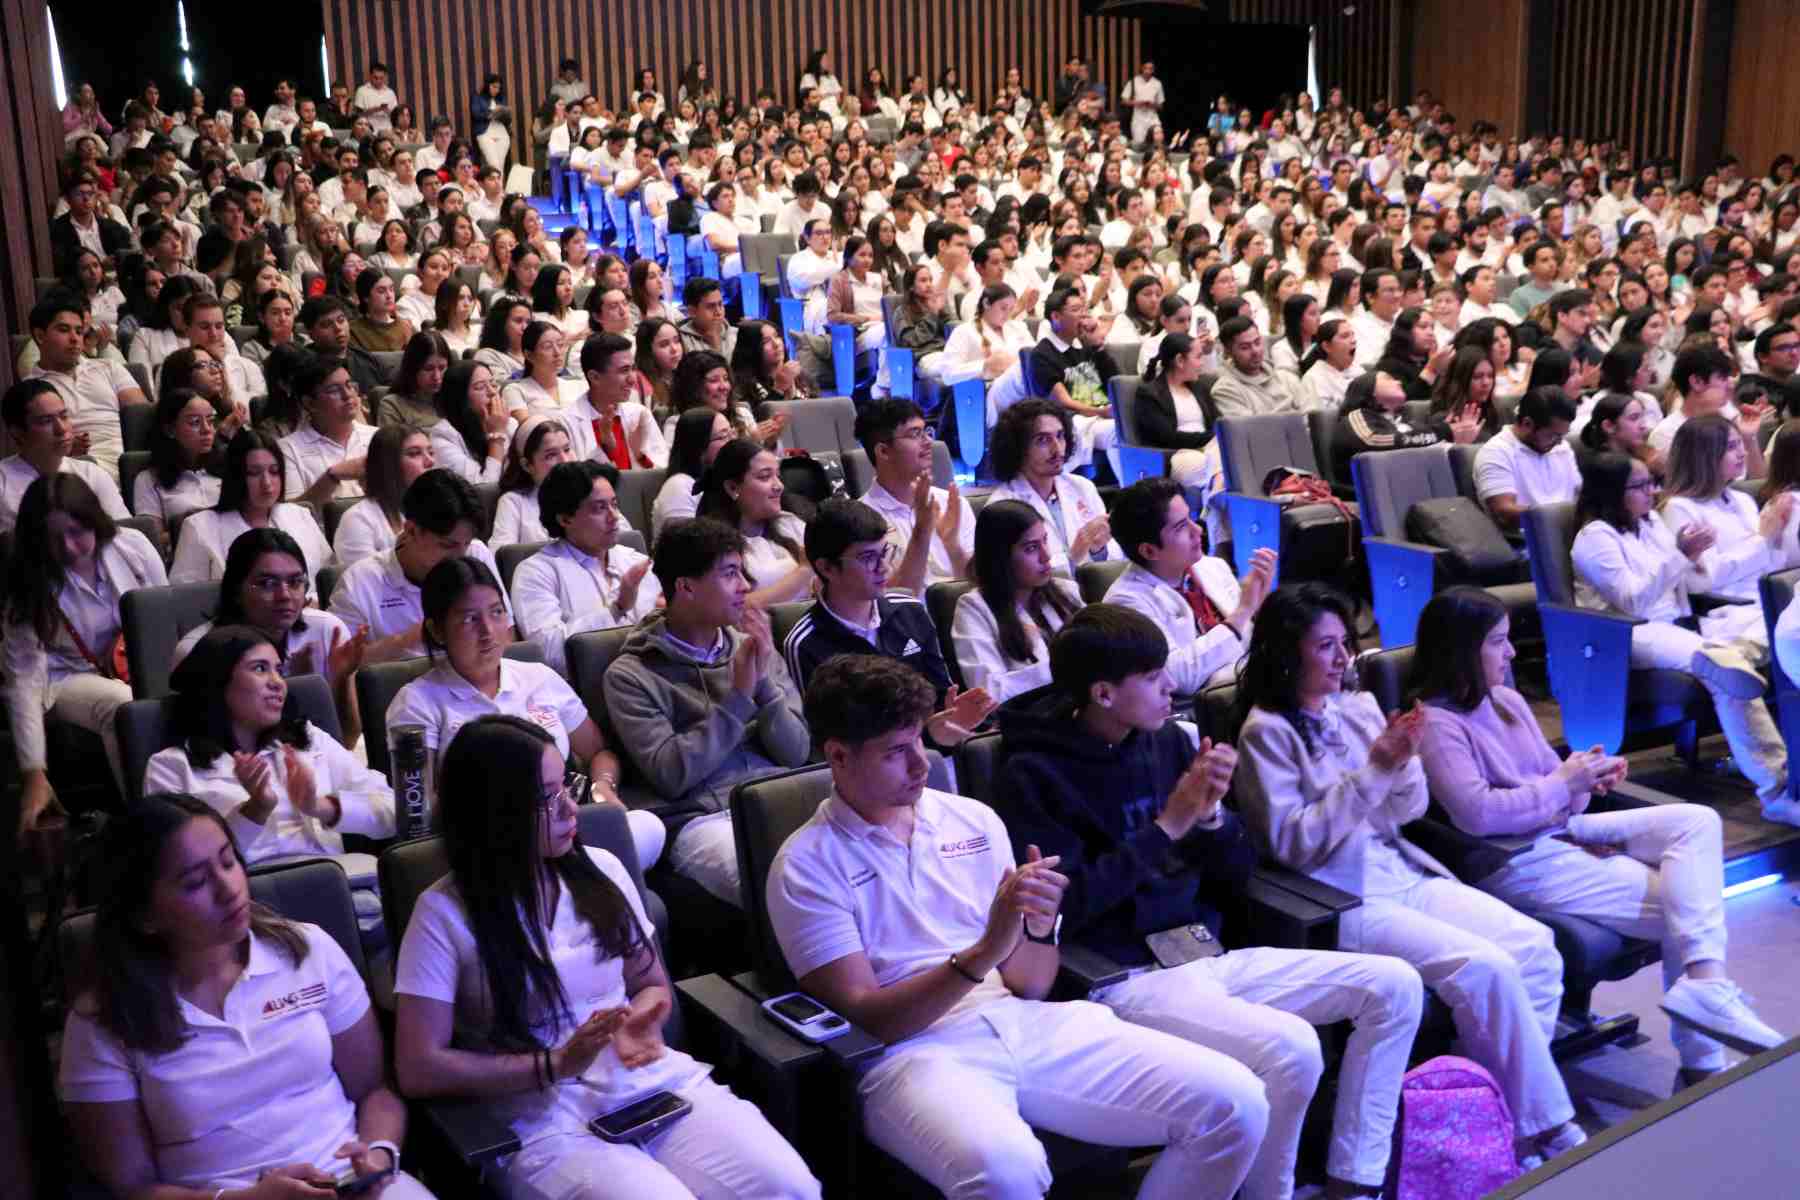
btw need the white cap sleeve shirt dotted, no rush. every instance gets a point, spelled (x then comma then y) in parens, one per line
(243, 1094)
(438, 961)
(443, 702)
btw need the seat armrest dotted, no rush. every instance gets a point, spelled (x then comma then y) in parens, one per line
(1307, 888)
(1255, 525)
(1705, 602)
(1594, 614)
(1083, 970)
(474, 1134)
(853, 1048)
(1469, 857)
(1625, 795)
(1402, 577)
(1270, 915)
(739, 1017)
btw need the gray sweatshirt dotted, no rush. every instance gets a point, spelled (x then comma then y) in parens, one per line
(693, 736)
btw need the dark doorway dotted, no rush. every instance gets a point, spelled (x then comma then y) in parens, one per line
(1198, 60)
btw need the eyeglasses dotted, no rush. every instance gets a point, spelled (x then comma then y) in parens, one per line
(200, 423)
(1643, 485)
(575, 789)
(874, 560)
(920, 434)
(268, 585)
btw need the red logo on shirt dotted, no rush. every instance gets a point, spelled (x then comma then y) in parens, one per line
(307, 997)
(964, 848)
(544, 717)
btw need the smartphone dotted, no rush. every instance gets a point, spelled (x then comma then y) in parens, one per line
(352, 1184)
(641, 1119)
(1183, 944)
(805, 1017)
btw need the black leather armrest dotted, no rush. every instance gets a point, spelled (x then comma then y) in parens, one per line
(474, 1134)
(857, 1046)
(738, 1017)
(1469, 857)
(1082, 970)
(1308, 888)
(1705, 602)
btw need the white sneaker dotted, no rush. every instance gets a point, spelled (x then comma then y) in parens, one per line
(1566, 1139)
(1783, 809)
(1717, 1008)
(1726, 668)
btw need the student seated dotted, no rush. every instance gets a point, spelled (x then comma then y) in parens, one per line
(1327, 787)
(179, 479)
(1530, 462)
(539, 444)
(1659, 870)
(381, 593)
(743, 489)
(398, 454)
(948, 962)
(176, 1080)
(42, 434)
(1160, 853)
(465, 617)
(1206, 614)
(64, 640)
(700, 433)
(1373, 418)
(529, 980)
(583, 580)
(1069, 366)
(1705, 458)
(326, 456)
(473, 429)
(1030, 451)
(606, 424)
(898, 442)
(700, 698)
(1628, 562)
(1002, 625)
(249, 498)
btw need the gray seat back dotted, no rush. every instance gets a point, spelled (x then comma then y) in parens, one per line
(1095, 578)
(940, 601)
(138, 421)
(1251, 447)
(155, 620)
(146, 726)
(1388, 484)
(1548, 532)
(508, 558)
(822, 423)
(637, 495)
(1462, 469)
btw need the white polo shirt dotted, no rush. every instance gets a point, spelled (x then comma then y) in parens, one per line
(561, 591)
(309, 454)
(376, 592)
(362, 531)
(16, 475)
(308, 650)
(91, 394)
(243, 1094)
(443, 702)
(193, 490)
(841, 886)
(439, 961)
(1506, 464)
(451, 452)
(900, 519)
(207, 534)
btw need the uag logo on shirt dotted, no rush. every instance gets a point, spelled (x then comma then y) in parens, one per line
(861, 877)
(545, 717)
(964, 848)
(307, 997)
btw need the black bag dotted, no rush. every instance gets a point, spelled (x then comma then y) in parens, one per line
(1479, 552)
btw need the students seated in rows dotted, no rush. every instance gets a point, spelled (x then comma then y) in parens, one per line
(1702, 376)
(1662, 873)
(249, 498)
(743, 489)
(894, 435)
(605, 423)
(1627, 561)
(1530, 462)
(326, 456)
(1093, 773)
(1247, 385)
(1326, 785)
(95, 389)
(467, 628)
(539, 445)
(442, 516)
(473, 430)
(583, 580)
(188, 1068)
(1204, 610)
(1030, 450)
(700, 698)
(700, 433)
(398, 454)
(39, 425)
(529, 979)
(948, 960)
(1002, 625)
(63, 644)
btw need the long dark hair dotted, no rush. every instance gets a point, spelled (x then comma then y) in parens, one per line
(36, 575)
(730, 466)
(167, 459)
(382, 481)
(1446, 665)
(543, 288)
(235, 491)
(246, 551)
(688, 388)
(1270, 677)
(134, 992)
(1602, 496)
(693, 433)
(202, 679)
(452, 404)
(997, 530)
(421, 348)
(443, 587)
(493, 326)
(490, 813)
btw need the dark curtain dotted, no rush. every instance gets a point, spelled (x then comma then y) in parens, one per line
(119, 50)
(1200, 59)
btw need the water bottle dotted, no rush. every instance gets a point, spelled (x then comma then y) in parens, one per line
(410, 771)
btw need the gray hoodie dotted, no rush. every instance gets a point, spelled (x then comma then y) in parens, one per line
(694, 737)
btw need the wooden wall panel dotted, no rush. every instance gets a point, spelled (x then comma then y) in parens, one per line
(30, 142)
(1621, 67)
(440, 49)
(1762, 107)
(1472, 57)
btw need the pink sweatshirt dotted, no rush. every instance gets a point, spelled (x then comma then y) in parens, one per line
(1493, 776)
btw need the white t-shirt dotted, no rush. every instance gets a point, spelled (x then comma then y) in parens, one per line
(443, 702)
(91, 394)
(16, 475)
(309, 454)
(362, 531)
(376, 592)
(242, 1095)
(1505, 464)
(765, 561)
(439, 961)
(193, 490)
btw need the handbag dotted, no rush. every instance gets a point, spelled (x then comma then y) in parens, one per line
(113, 664)
(1308, 488)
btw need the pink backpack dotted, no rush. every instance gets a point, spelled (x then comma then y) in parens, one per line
(1454, 1138)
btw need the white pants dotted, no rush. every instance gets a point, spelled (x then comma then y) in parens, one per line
(91, 701)
(1259, 1006)
(1667, 887)
(706, 852)
(1189, 468)
(494, 142)
(722, 1150)
(957, 1104)
(1496, 968)
(1755, 743)
(1093, 434)
(648, 834)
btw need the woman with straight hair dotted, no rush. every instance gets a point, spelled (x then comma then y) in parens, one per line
(542, 384)
(743, 489)
(539, 445)
(529, 978)
(700, 433)
(422, 365)
(222, 1050)
(1169, 413)
(1467, 387)
(703, 380)
(398, 454)
(63, 648)
(1299, 322)
(1002, 628)
(1617, 424)
(1327, 783)
(1662, 877)
(502, 332)
(455, 311)
(472, 429)
(553, 300)
(180, 478)
(1626, 561)
(658, 352)
(249, 498)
